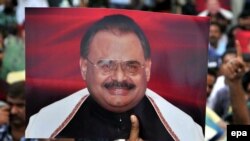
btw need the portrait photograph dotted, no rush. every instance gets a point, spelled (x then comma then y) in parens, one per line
(104, 74)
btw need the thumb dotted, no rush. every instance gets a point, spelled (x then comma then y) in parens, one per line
(134, 133)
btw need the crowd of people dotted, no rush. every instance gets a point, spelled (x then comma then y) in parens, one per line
(228, 75)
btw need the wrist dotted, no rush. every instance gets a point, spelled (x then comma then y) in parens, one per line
(233, 82)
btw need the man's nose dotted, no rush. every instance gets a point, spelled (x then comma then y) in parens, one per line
(119, 74)
(14, 110)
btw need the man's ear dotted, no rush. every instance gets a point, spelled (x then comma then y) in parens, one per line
(148, 68)
(83, 67)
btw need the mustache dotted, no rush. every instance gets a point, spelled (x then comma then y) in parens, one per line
(15, 119)
(119, 85)
(212, 38)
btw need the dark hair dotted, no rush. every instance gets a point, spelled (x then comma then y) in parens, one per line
(218, 25)
(212, 72)
(228, 51)
(121, 23)
(17, 90)
(244, 14)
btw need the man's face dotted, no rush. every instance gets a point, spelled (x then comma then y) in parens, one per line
(118, 90)
(245, 23)
(213, 6)
(210, 83)
(214, 35)
(17, 111)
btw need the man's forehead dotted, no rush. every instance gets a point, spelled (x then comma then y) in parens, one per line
(115, 32)
(104, 35)
(15, 100)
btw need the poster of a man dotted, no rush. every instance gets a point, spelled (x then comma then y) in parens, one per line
(116, 103)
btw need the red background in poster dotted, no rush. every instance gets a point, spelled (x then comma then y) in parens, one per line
(179, 55)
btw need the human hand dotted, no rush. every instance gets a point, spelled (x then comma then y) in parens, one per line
(134, 133)
(4, 114)
(234, 71)
(235, 68)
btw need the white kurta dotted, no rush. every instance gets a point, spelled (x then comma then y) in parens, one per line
(51, 120)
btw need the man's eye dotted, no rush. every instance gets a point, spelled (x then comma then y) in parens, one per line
(106, 65)
(132, 67)
(20, 105)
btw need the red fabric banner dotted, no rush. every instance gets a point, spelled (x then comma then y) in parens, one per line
(178, 44)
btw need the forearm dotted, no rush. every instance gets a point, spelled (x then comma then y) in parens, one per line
(239, 104)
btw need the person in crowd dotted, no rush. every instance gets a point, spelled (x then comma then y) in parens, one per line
(217, 39)
(232, 35)
(244, 20)
(219, 99)
(213, 121)
(12, 114)
(189, 8)
(217, 13)
(211, 78)
(14, 55)
(234, 72)
(8, 17)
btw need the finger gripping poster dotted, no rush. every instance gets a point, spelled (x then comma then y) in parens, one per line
(105, 74)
